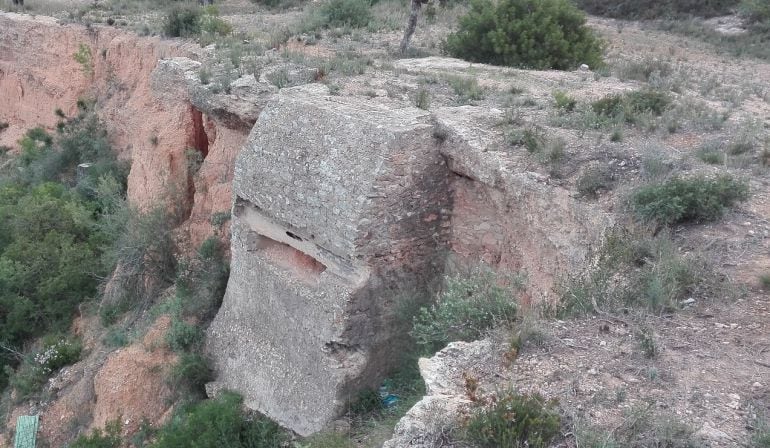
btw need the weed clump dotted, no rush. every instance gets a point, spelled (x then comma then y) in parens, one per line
(465, 310)
(515, 421)
(681, 200)
(592, 181)
(539, 34)
(352, 13)
(220, 422)
(634, 269)
(631, 106)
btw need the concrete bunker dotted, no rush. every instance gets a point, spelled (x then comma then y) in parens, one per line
(341, 207)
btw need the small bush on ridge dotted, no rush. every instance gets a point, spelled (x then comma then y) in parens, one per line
(515, 421)
(680, 200)
(465, 310)
(538, 34)
(353, 13)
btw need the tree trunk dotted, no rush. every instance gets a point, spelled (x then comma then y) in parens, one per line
(414, 13)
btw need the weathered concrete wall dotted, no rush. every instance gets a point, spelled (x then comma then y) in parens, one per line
(506, 218)
(341, 208)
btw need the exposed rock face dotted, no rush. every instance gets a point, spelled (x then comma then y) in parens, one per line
(155, 108)
(341, 207)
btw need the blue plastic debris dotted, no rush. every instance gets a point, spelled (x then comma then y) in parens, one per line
(388, 400)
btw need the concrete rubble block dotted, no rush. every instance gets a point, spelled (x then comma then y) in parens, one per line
(341, 210)
(431, 420)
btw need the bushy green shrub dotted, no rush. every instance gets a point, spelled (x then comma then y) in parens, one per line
(182, 21)
(109, 438)
(592, 181)
(220, 423)
(183, 336)
(539, 34)
(201, 282)
(515, 421)
(190, 374)
(629, 106)
(464, 311)
(653, 9)
(695, 199)
(211, 23)
(353, 13)
(755, 11)
(564, 101)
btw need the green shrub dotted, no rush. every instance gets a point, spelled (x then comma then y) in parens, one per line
(218, 219)
(755, 11)
(422, 99)
(220, 423)
(515, 421)
(116, 337)
(647, 342)
(467, 88)
(201, 283)
(760, 437)
(711, 155)
(58, 352)
(190, 374)
(110, 438)
(52, 236)
(628, 107)
(537, 34)
(609, 106)
(352, 13)
(142, 254)
(211, 23)
(182, 21)
(652, 101)
(652, 9)
(464, 311)
(680, 200)
(182, 336)
(564, 101)
(592, 181)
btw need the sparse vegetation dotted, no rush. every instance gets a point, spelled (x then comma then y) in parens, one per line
(657, 276)
(422, 99)
(109, 438)
(647, 342)
(631, 106)
(84, 58)
(467, 88)
(526, 33)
